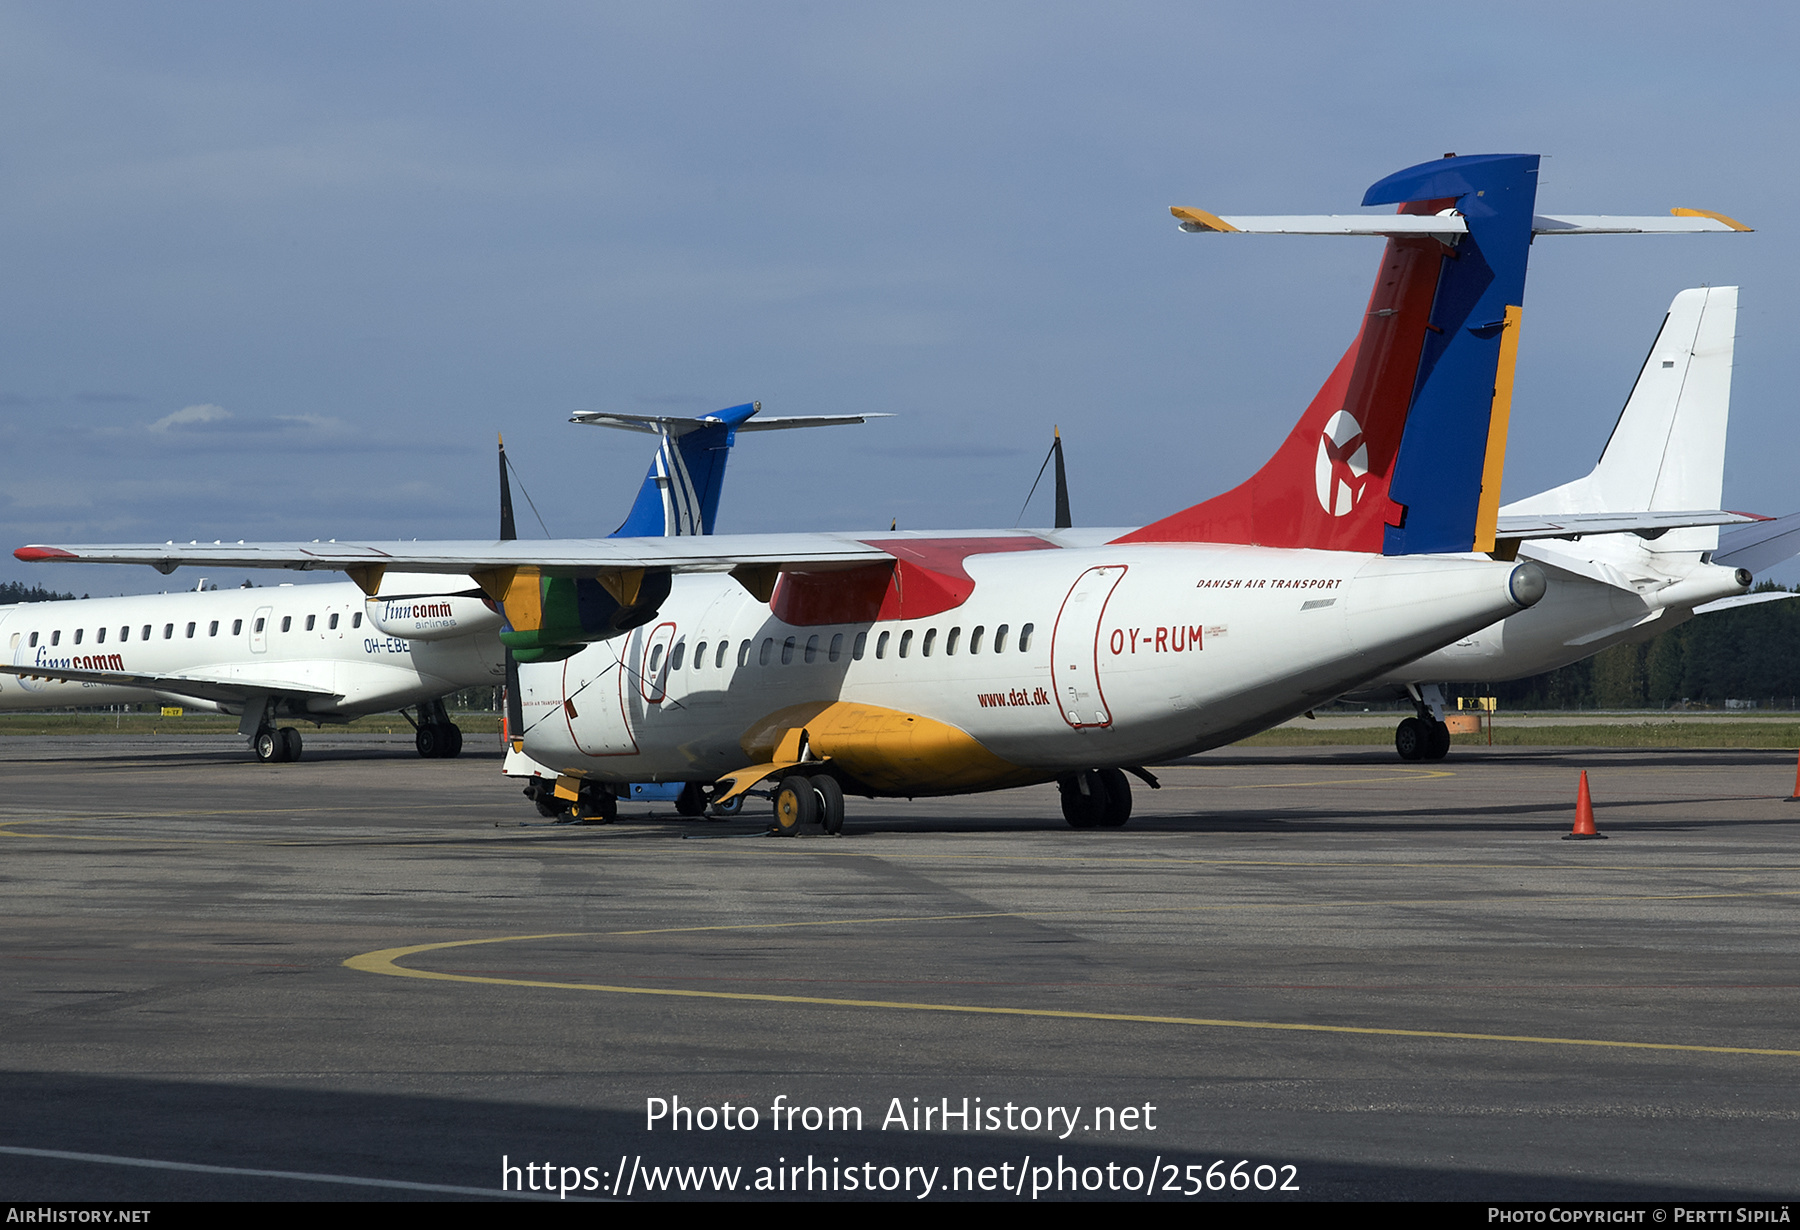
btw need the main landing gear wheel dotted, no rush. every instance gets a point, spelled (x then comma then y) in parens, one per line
(268, 746)
(831, 803)
(1118, 798)
(596, 807)
(438, 740)
(543, 797)
(1419, 739)
(1438, 746)
(796, 805)
(1084, 799)
(290, 743)
(691, 801)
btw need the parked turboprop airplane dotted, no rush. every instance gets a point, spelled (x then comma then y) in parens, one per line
(328, 653)
(929, 664)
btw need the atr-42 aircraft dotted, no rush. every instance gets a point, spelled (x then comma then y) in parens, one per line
(918, 664)
(329, 653)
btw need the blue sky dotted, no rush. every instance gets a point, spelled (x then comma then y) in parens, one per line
(281, 271)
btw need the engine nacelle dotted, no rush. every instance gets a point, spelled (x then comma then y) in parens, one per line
(431, 617)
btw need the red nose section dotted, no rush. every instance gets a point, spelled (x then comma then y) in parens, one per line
(32, 555)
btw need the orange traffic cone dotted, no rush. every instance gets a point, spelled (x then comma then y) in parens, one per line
(1584, 816)
(1795, 797)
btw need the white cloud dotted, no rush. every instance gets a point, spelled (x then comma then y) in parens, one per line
(188, 416)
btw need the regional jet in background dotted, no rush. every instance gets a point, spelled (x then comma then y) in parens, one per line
(329, 654)
(918, 664)
(1666, 456)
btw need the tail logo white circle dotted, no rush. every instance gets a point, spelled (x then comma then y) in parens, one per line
(1343, 465)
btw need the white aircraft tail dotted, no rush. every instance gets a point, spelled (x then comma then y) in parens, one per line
(1667, 451)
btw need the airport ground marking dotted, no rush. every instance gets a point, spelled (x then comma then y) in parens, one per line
(385, 961)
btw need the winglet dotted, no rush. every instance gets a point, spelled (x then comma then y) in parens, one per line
(1199, 219)
(1733, 223)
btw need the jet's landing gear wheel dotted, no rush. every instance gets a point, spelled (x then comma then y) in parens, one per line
(437, 740)
(268, 745)
(1084, 799)
(1437, 746)
(796, 805)
(831, 803)
(290, 743)
(728, 809)
(1411, 738)
(691, 801)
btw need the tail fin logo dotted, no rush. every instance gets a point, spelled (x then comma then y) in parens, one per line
(1342, 469)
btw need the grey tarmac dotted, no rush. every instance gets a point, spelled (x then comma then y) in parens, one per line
(1395, 979)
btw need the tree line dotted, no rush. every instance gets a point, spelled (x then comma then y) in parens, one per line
(1745, 653)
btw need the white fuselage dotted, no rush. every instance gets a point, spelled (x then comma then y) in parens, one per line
(1058, 660)
(321, 641)
(1594, 600)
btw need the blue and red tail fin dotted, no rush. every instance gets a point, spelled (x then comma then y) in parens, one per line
(1401, 449)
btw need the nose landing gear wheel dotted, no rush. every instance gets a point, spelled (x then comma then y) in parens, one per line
(267, 745)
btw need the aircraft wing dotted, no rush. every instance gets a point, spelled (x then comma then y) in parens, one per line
(186, 685)
(1646, 524)
(573, 557)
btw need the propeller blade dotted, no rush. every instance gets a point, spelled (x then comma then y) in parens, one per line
(1063, 520)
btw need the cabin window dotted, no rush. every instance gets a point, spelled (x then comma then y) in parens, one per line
(975, 639)
(680, 653)
(787, 652)
(33, 642)
(212, 629)
(812, 650)
(356, 620)
(930, 640)
(237, 626)
(1000, 639)
(168, 632)
(837, 648)
(743, 652)
(719, 660)
(259, 623)
(125, 633)
(145, 634)
(857, 646)
(700, 656)
(881, 645)
(190, 631)
(950, 642)
(78, 636)
(332, 622)
(100, 636)
(56, 637)
(1025, 638)
(310, 620)
(287, 621)
(655, 658)
(768, 651)
(905, 642)
(15, 641)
